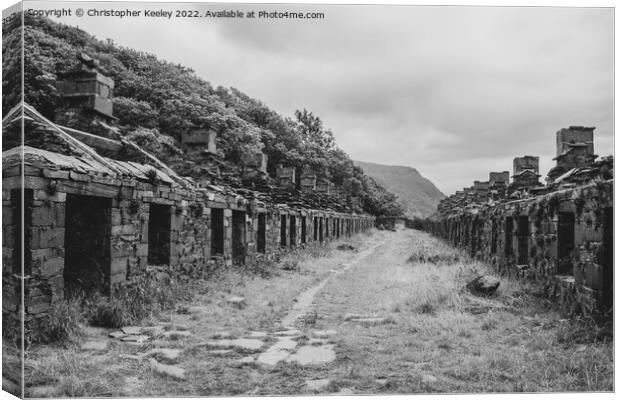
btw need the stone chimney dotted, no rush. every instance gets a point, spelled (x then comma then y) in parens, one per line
(308, 181)
(525, 171)
(257, 160)
(575, 147)
(499, 179)
(86, 88)
(285, 176)
(569, 138)
(197, 137)
(324, 186)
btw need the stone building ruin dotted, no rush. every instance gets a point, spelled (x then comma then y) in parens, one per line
(99, 211)
(559, 235)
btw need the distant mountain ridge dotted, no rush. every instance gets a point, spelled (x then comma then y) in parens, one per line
(418, 195)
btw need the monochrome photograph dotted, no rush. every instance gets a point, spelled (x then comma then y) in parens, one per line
(298, 199)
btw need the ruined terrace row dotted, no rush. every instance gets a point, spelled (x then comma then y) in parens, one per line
(558, 235)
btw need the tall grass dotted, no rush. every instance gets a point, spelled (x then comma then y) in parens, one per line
(433, 251)
(141, 298)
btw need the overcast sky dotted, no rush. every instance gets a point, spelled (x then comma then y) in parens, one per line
(455, 92)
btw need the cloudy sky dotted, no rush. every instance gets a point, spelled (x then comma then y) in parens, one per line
(455, 92)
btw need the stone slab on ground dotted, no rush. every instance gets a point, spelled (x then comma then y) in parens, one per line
(257, 334)
(284, 344)
(95, 345)
(165, 354)
(221, 335)
(116, 334)
(135, 338)
(174, 335)
(317, 385)
(372, 321)
(168, 370)
(324, 333)
(244, 361)
(428, 379)
(288, 332)
(245, 344)
(131, 330)
(271, 357)
(153, 330)
(314, 355)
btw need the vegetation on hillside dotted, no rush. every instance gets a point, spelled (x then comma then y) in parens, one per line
(155, 101)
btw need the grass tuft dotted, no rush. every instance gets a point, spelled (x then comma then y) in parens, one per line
(62, 325)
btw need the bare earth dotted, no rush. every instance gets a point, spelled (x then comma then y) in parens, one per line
(365, 321)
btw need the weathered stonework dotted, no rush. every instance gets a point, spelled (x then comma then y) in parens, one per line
(562, 240)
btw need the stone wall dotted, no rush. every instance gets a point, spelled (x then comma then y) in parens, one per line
(562, 240)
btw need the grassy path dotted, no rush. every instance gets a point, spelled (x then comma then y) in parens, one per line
(429, 335)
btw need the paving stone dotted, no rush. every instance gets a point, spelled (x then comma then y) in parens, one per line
(244, 361)
(222, 335)
(174, 335)
(317, 384)
(284, 344)
(95, 345)
(372, 321)
(165, 354)
(168, 370)
(257, 334)
(314, 355)
(289, 332)
(271, 357)
(135, 338)
(428, 379)
(116, 334)
(324, 333)
(153, 330)
(131, 330)
(245, 344)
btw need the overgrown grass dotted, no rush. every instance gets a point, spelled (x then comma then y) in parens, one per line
(61, 325)
(433, 251)
(141, 298)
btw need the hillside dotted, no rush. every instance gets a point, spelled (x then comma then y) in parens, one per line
(418, 195)
(155, 101)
